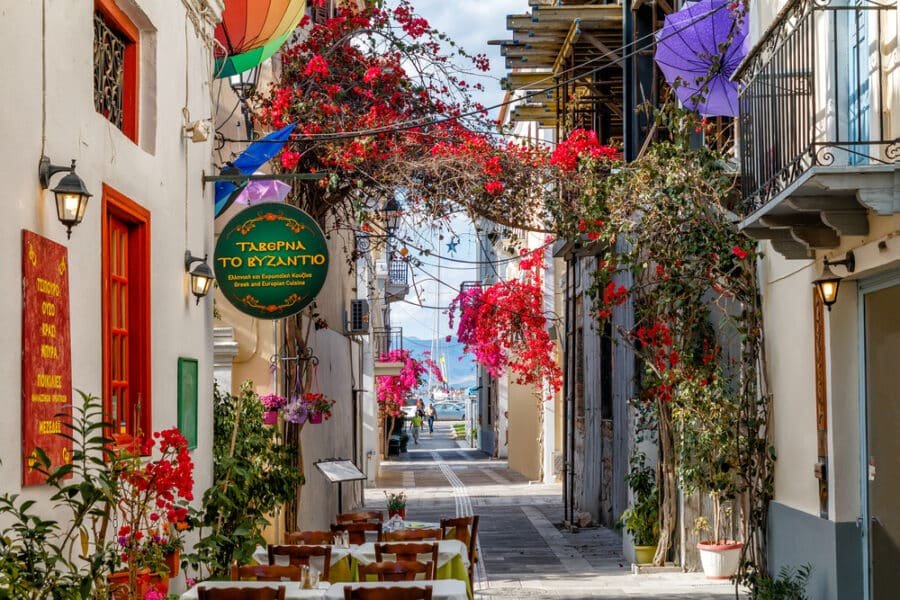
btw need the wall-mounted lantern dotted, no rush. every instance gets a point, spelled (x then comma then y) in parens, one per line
(201, 275)
(829, 283)
(71, 194)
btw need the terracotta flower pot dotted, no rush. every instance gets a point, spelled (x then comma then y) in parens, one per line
(399, 511)
(173, 562)
(270, 417)
(315, 418)
(720, 561)
(120, 589)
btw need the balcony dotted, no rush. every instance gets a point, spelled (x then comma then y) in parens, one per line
(818, 149)
(397, 282)
(385, 339)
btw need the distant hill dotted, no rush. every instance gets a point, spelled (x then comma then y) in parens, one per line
(461, 373)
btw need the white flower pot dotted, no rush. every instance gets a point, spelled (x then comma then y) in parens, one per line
(720, 561)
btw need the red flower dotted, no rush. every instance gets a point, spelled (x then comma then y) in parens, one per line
(494, 187)
(739, 252)
(372, 73)
(316, 67)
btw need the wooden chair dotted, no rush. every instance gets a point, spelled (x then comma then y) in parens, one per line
(413, 535)
(406, 551)
(239, 593)
(397, 570)
(369, 516)
(357, 531)
(265, 572)
(300, 555)
(387, 593)
(309, 537)
(465, 529)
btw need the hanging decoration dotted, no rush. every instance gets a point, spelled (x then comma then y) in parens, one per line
(253, 30)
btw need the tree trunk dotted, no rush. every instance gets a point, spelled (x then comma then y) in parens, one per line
(668, 492)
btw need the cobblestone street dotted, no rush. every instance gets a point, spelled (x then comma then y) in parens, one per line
(524, 554)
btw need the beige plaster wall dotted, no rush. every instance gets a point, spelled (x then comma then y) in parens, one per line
(524, 431)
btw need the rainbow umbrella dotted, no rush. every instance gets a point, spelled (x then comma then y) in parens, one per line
(253, 30)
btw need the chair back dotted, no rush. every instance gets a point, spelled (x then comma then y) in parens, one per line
(368, 516)
(406, 550)
(398, 570)
(413, 535)
(309, 537)
(265, 572)
(464, 529)
(241, 593)
(301, 555)
(357, 531)
(387, 593)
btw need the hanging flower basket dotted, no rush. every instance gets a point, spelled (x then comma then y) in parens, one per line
(270, 417)
(315, 418)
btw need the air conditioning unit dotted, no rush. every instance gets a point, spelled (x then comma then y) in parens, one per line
(359, 317)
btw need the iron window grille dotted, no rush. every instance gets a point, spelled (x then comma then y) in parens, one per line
(385, 339)
(109, 71)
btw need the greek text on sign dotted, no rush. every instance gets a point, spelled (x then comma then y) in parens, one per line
(46, 354)
(271, 260)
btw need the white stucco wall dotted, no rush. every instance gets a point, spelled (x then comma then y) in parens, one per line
(162, 173)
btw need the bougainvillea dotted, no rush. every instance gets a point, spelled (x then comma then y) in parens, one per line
(580, 144)
(383, 101)
(505, 328)
(393, 390)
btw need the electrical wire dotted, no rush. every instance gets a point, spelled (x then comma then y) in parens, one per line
(430, 121)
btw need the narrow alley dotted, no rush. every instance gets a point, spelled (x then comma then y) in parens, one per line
(523, 551)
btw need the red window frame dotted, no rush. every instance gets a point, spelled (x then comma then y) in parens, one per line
(120, 212)
(119, 21)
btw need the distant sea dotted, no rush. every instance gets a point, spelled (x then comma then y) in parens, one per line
(460, 373)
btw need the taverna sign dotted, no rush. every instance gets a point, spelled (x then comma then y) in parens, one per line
(271, 260)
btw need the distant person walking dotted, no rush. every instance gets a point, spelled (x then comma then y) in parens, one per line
(417, 420)
(431, 415)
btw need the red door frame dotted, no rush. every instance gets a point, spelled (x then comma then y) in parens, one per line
(137, 218)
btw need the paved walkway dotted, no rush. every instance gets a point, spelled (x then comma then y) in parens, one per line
(523, 552)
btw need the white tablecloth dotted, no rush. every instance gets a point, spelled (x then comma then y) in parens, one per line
(261, 555)
(441, 589)
(293, 591)
(447, 549)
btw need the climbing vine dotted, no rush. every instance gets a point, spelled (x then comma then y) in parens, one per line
(670, 247)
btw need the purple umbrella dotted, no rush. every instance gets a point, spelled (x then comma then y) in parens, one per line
(688, 47)
(263, 190)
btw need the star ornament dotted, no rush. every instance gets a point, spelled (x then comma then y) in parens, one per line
(451, 246)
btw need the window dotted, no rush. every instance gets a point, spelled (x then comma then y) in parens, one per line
(126, 313)
(116, 67)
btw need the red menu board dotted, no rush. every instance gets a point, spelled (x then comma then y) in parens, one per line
(46, 353)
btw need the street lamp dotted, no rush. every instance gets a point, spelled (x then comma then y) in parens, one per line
(829, 283)
(243, 84)
(390, 215)
(201, 275)
(71, 194)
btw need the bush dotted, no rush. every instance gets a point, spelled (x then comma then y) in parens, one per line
(789, 585)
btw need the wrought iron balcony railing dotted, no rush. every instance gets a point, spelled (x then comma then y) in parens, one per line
(385, 339)
(813, 93)
(398, 272)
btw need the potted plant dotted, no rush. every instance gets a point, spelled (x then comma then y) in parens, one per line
(396, 504)
(708, 459)
(170, 545)
(151, 492)
(720, 554)
(273, 403)
(319, 407)
(641, 520)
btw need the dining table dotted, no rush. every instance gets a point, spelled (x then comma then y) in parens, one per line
(293, 590)
(441, 589)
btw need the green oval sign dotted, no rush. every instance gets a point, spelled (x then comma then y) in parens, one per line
(271, 260)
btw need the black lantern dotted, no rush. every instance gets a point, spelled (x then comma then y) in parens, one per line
(243, 83)
(71, 194)
(829, 283)
(390, 216)
(201, 275)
